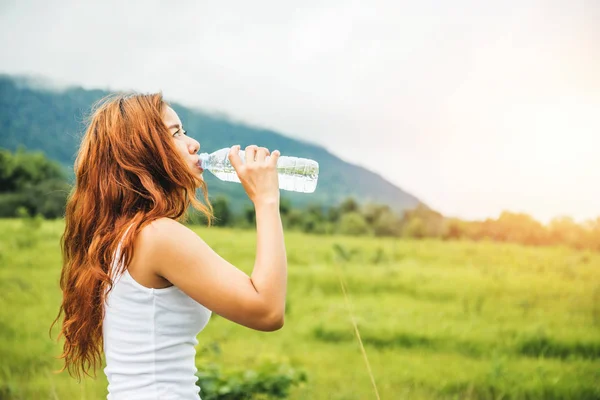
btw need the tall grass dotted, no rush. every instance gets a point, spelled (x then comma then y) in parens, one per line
(439, 320)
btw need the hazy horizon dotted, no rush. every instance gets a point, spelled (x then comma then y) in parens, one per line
(473, 108)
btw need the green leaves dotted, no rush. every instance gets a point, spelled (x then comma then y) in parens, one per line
(30, 181)
(270, 380)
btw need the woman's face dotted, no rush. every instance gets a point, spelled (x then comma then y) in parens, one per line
(186, 146)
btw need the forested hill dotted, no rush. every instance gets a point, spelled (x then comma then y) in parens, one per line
(52, 121)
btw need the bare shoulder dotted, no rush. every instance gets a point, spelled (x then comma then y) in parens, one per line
(162, 228)
(163, 234)
(181, 257)
(163, 239)
(152, 246)
(172, 250)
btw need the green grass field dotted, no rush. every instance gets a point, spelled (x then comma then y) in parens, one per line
(439, 320)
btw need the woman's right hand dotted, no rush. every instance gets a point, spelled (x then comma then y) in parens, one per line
(257, 175)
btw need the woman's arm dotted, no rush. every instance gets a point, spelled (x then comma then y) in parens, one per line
(269, 276)
(179, 255)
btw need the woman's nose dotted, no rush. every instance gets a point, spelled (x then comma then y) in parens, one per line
(195, 146)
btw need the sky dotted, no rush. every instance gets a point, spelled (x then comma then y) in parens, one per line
(474, 107)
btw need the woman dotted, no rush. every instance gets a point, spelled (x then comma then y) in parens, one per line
(139, 285)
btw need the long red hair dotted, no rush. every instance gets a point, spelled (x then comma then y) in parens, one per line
(127, 173)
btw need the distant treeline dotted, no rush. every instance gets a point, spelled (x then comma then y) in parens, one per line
(32, 185)
(351, 218)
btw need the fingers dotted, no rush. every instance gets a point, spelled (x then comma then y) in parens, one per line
(262, 154)
(255, 154)
(258, 172)
(250, 153)
(234, 157)
(274, 158)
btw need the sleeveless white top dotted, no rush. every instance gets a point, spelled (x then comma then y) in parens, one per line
(149, 341)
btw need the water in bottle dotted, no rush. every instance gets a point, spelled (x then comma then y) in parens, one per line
(295, 174)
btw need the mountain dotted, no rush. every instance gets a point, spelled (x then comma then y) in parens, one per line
(38, 116)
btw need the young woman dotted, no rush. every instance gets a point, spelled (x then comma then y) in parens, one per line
(137, 284)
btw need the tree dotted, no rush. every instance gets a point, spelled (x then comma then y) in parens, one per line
(23, 168)
(33, 182)
(414, 227)
(518, 228)
(455, 228)
(372, 212)
(250, 215)
(221, 211)
(565, 230)
(294, 219)
(353, 223)
(48, 198)
(285, 206)
(422, 221)
(387, 224)
(349, 205)
(333, 214)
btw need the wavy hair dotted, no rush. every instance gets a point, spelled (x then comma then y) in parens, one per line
(128, 173)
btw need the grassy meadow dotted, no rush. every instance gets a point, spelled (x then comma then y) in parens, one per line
(439, 320)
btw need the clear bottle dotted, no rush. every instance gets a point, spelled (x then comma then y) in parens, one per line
(295, 174)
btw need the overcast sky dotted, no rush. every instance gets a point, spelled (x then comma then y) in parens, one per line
(473, 106)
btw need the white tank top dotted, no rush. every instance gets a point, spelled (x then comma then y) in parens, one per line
(149, 341)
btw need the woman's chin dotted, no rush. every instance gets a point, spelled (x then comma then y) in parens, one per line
(199, 180)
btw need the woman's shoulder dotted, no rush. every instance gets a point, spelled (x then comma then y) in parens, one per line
(162, 229)
(164, 238)
(154, 246)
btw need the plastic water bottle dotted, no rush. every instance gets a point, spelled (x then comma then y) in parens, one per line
(295, 174)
